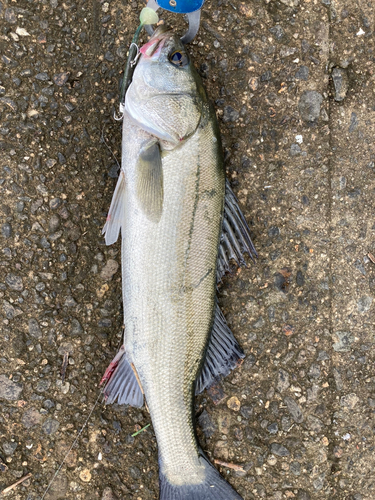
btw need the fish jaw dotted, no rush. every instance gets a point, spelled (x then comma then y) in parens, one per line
(152, 48)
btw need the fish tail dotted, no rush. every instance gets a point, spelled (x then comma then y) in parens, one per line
(214, 487)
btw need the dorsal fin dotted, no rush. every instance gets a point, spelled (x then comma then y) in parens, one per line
(235, 239)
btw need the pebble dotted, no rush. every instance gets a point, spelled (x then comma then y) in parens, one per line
(85, 475)
(230, 114)
(109, 270)
(364, 304)
(9, 448)
(6, 230)
(353, 122)
(272, 460)
(43, 385)
(273, 428)
(246, 411)
(314, 371)
(10, 16)
(294, 409)
(10, 311)
(279, 450)
(234, 403)
(42, 77)
(9, 103)
(290, 3)
(287, 51)
(283, 380)
(63, 386)
(318, 483)
(34, 328)
(288, 330)
(295, 150)
(54, 223)
(134, 472)
(55, 203)
(254, 83)
(50, 426)
(30, 418)
(245, 10)
(60, 79)
(278, 32)
(58, 488)
(309, 105)
(349, 401)
(14, 282)
(8, 389)
(108, 494)
(303, 495)
(302, 73)
(345, 339)
(295, 468)
(206, 424)
(62, 160)
(75, 327)
(341, 83)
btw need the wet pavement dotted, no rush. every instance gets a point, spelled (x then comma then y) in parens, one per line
(293, 84)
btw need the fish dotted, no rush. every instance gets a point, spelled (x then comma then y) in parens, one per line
(181, 227)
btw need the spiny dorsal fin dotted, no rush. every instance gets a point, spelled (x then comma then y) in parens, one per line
(149, 187)
(235, 239)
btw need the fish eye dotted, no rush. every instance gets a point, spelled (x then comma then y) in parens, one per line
(179, 58)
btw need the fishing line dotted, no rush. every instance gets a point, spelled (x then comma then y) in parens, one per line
(109, 149)
(74, 443)
(147, 17)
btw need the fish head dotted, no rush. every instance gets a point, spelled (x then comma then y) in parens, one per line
(165, 64)
(166, 95)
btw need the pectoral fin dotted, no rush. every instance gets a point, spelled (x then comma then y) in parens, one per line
(149, 187)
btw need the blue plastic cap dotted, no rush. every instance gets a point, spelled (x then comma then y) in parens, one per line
(180, 6)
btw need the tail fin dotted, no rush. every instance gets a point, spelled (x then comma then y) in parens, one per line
(214, 487)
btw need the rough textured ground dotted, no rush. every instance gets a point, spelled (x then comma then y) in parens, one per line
(293, 82)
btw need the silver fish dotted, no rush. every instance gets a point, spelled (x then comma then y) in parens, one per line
(179, 232)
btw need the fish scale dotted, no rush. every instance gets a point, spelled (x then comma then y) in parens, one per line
(171, 256)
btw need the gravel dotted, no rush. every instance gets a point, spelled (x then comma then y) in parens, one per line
(292, 88)
(9, 390)
(309, 105)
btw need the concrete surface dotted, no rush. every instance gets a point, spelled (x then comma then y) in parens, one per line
(293, 82)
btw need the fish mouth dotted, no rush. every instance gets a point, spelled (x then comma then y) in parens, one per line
(153, 47)
(162, 29)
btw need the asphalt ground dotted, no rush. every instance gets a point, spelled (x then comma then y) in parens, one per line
(293, 86)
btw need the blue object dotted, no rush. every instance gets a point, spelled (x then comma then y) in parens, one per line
(180, 6)
(192, 9)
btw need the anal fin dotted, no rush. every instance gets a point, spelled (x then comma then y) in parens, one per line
(122, 383)
(222, 356)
